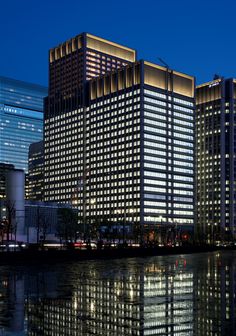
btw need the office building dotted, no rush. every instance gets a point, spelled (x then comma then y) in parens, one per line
(80, 59)
(42, 220)
(35, 178)
(4, 168)
(215, 153)
(139, 148)
(33, 220)
(21, 120)
(71, 65)
(126, 152)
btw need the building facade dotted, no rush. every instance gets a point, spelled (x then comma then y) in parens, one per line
(21, 120)
(215, 160)
(71, 65)
(4, 168)
(12, 212)
(35, 179)
(42, 220)
(139, 149)
(127, 153)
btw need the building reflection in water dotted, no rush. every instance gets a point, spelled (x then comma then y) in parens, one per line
(215, 296)
(190, 295)
(168, 299)
(12, 302)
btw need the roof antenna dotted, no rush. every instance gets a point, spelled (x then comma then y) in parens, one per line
(164, 63)
(216, 76)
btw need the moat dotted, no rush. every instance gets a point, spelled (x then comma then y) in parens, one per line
(190, 294)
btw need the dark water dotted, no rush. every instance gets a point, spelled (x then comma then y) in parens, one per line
(171, 295)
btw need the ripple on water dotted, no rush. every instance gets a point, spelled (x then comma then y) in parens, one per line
(166, 295)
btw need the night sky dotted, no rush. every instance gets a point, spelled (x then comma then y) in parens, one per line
(195, 37)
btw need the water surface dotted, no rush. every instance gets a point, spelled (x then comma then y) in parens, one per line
(167, 295)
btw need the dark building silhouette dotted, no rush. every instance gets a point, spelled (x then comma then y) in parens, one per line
(35, 178)
(3, 170)
(215, 165)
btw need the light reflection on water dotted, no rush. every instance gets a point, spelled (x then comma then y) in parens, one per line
(171, 295)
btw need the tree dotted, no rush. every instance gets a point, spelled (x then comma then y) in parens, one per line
(95, 227)
(44, 225)
(10, 220)
(137, 232)
(107, 224)
(67, 225)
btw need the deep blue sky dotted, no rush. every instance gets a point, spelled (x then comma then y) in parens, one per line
(195, 37)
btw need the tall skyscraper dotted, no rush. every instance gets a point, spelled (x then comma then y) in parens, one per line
(215, 150)
(126, 151)
(21, 120)
(81, 58)
(71, 65)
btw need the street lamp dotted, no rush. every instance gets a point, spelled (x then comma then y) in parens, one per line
(127, 211)
(91, 203)
(130, 211)
(170, 231)
(209, 232)
(212, 231)
(160, 220)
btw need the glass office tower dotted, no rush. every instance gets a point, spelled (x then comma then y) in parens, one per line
(21, 120)
(215, 150)
(125, 152)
